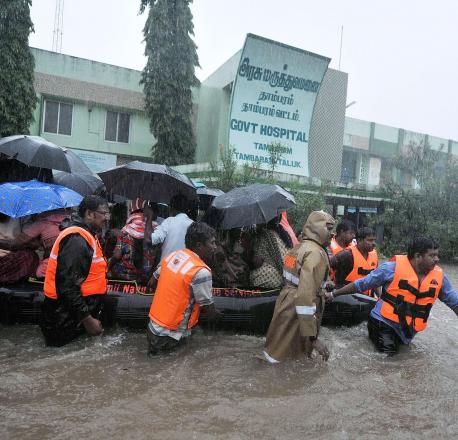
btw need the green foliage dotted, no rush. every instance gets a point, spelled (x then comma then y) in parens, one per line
(168, 77)
(224, 171)
(305, 204)
(226, 174)
(17, 94)
(431, 209)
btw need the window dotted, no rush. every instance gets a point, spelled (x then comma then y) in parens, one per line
(58, 117)
(348, 171)
(117, 127)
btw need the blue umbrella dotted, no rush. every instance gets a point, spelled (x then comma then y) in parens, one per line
(18, 199)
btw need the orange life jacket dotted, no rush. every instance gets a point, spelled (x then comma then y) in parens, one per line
(407, 302)
(335, 247)
(96, 281)
(172, 298)
(361, 266)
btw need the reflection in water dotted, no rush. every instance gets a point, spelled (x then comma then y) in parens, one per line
(215, 387)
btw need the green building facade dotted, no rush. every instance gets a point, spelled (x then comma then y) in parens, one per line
(97, 109)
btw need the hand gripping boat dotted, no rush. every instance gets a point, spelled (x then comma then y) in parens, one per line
(127, 304)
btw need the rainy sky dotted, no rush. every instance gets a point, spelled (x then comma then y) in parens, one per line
(401, 56)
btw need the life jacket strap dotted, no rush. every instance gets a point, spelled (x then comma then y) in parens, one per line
(364, 272)
(402, 309)
(404, 285)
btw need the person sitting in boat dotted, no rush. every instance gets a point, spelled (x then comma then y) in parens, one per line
(410, 284)
(271, 243)
(42, 231)
(183, 290)
(356, 261)
(172, 231)
(16, 264)
(131, 259)
(75, 280)
(295, 325)
(230, 267)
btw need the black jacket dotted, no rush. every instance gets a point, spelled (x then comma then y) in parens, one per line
(73, 264)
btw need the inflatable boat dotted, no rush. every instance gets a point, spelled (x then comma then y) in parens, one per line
(127, 304)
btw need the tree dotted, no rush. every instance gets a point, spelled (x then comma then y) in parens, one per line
(168, 77)
(17, 94)
(430, 209)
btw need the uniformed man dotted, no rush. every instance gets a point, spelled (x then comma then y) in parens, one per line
(184, 287)
(295, 325)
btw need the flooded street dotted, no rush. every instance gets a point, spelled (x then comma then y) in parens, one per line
(215, 387)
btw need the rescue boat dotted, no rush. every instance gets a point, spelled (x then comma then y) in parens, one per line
(127, 304)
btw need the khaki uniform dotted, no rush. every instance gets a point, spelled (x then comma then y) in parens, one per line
(300, 305)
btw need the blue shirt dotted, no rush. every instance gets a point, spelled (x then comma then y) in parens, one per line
(383, 276)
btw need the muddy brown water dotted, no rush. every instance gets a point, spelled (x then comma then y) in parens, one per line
(215, 387)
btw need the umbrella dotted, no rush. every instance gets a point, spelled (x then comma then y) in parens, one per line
(253, 204)
(150, 181)
(19, 199)
(209, 192)
(84, 184)
(38, 152)
(206, 196)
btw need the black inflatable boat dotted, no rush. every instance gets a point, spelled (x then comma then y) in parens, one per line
(127, 304)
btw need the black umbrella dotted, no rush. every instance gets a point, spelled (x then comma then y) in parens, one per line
(158, 183)
(38, 152)
(84, 184)
(250, 205)
(209, 192)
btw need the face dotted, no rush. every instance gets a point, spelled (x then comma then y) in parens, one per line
(428, 260)
(330, 234)
(207, 249)
(347, 236)
(367, 244)
(97, 219)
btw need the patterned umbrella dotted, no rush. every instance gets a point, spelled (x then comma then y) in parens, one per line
(19, 199)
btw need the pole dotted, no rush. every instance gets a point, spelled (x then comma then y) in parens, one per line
(341, 41)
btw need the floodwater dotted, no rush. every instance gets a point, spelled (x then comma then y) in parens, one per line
(215, 387)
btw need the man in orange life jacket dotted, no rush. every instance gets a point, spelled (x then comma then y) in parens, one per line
(357, 261)
(75, 280)
(410, 286)
(183, 289)
(345, 234)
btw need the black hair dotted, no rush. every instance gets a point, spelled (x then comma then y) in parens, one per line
(4, 218)
(421, 245)
(91, 203)
(364, 232)
(179, 202)
(344, 226)
(198, 232)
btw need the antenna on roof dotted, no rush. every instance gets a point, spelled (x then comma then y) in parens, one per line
(58, 26)
(341, 42)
